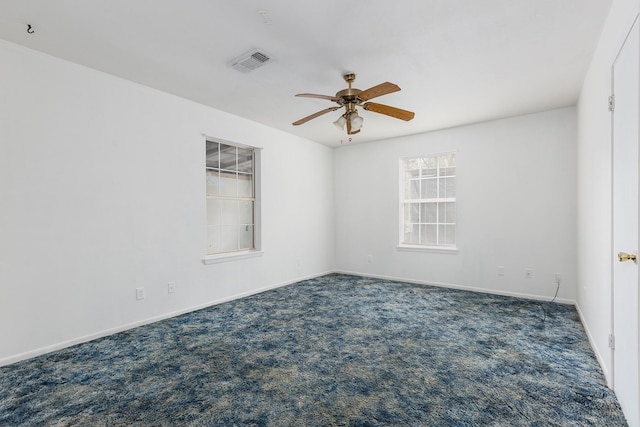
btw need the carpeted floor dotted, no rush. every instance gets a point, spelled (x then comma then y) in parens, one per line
(334, 351)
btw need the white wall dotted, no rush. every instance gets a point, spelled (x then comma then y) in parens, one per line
(594, 183)
(516, 181)
(102, 191)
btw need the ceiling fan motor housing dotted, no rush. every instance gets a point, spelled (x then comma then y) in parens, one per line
(349, 95)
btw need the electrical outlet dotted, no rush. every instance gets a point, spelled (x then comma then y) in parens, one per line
(139, 293)
(528, 273)
(369, 259)
(171, 287)
(500, 270)
(556, 278)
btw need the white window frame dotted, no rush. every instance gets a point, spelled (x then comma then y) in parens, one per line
(438, 248)
(214, 258)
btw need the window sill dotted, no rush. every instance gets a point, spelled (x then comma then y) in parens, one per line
(233, 256)
(430, 249)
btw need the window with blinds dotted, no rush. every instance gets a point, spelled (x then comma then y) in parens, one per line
(428, 201)
(231, 201)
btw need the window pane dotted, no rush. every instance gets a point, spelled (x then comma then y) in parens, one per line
(413, 188)
(411, 168)
(229, 209)
(213, 156)
(415, 212)
(447, 171)
(412, 235)
(429, 189)
(214, 212)
(245, 212)
(245, 233)
(245, 185)
(430, 162)
(228, 184)
(431, 213)
(423, 212)
(213, 183)
(406, 210)
(245, 160)
(213, 239)
(430, 172)
(411, 174)
(428, 235)
(228, 157)
(229, 238)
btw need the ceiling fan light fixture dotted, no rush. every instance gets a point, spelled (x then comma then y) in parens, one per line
(356, 121)
(342, 120)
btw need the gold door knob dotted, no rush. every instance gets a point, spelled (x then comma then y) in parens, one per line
(623, 256)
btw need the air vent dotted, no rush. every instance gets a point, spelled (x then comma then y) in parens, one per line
(251, 60)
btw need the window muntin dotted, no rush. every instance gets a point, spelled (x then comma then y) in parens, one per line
(428, 201)
(231, 202)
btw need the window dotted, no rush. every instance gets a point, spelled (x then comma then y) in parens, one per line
(231, 198)
(428, 201)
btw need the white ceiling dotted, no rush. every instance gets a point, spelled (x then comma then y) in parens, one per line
(457, 61)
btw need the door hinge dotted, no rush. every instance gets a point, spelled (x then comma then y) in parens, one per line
(612, 342)
(612, 102)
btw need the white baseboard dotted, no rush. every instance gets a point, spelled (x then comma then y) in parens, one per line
(80, 340)
(594, 347)
(460, 287)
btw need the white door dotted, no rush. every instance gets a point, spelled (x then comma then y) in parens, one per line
(626, 113)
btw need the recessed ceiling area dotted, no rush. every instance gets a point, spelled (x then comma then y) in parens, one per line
(456, 61)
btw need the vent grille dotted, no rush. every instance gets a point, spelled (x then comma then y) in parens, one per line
(250, 61)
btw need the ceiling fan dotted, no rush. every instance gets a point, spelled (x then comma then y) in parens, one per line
(351, 98)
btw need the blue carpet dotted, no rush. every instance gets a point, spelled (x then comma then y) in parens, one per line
(334, 351)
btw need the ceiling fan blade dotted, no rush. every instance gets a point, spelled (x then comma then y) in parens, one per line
(314, 115)
(379, 90)
(389, 111)
(313, 95)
